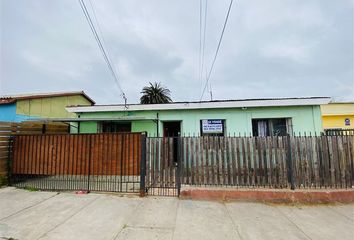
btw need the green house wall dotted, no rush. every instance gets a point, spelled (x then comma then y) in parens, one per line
(49, 107)
(238, 120)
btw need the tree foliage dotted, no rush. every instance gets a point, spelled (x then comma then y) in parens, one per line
(155, 93)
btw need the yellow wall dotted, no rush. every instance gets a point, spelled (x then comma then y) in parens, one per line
(337, 122)
(50, 106)
(334, 115)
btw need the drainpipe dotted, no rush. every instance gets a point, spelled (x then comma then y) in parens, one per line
(157, 124)
(78, 125)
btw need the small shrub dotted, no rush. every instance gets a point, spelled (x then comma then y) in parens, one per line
(3, 181)
(31, 189)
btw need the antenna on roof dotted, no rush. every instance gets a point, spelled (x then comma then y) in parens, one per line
(211, 93)
(125, 101)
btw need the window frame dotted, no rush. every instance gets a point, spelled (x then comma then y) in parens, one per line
(270, 126)
(114, 123)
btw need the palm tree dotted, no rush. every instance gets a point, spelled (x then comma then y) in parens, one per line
(155, 93)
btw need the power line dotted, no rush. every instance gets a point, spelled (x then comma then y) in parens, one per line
(100, 31)
(203, 44)
(100, 45)
(108, 55)
(200, 42)
(217, 49)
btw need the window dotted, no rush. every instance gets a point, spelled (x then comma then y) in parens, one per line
(271, 127)
(111, 127)
(212, 127)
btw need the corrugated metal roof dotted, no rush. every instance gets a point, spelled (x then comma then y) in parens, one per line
(4, 99)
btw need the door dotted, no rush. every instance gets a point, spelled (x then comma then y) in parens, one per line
(171, 129)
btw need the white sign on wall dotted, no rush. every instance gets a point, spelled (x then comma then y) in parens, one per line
(212, 126)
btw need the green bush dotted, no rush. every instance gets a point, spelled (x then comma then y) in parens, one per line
(3, 181)
(31, 189)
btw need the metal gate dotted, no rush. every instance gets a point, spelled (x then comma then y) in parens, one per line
(163, 166)
(93, 162)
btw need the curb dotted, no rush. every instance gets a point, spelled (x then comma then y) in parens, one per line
(270, 195)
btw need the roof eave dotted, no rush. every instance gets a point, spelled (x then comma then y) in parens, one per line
(203, 105)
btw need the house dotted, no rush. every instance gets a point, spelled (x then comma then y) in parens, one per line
(257, 117)
(338, 116)
(16, 108)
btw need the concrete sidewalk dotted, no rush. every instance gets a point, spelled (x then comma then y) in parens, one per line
(49, 215)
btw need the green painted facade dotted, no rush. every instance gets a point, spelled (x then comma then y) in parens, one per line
(49, 107)
(238, 120)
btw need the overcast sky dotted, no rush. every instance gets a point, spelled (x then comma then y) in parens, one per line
(273, 48)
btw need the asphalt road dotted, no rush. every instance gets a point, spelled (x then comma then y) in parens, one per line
(51, 215)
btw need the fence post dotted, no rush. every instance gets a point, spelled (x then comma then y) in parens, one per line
(9, 160)
(143, 164)
(179, 164)
(89, 163)
(290, 164)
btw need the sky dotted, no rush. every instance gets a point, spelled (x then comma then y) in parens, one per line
(273, 48)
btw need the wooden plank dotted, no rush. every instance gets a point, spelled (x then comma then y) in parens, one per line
(310, 162)
(349, 161)
(212, 161)
(23, 155)
(207, 154)
(187, 166)
(248, 161)
(191, 157)
(29, 157)
(242, 161)
(14, 156)
(253, 148)
(239, 160)
(219, 160)
(233, 161)
(332, 148)
(197, 159)
(79, 156)
(48, 159)
(221, 168)
(315, 154)
(321, 160)
(202, 160)
(271, 179)
(276, 165)
(228, 160)
(303, 161)
(57, 150)
(63, 155)
(261, 181)
(341, 163)
(328, 153)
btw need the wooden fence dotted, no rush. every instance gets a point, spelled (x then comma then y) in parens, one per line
(71, 154)
(311, 162)
(9, 129)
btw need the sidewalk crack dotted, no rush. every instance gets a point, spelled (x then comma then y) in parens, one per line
(72, 215)
(340, 214)
(291, 221)
(232, 221)
(174, 228)
(127, 221)
(23, 209)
